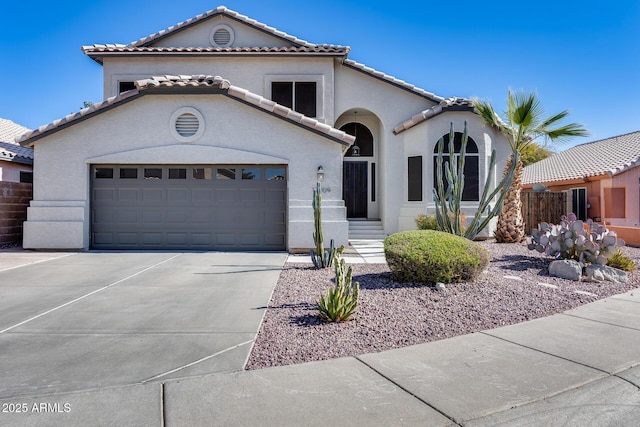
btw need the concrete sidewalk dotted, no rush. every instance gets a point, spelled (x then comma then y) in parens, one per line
(578, 368)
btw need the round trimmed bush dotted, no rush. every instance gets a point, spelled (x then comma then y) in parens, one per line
(429, 256)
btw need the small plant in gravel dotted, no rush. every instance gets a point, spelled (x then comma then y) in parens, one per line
(429, 256)
(341, 301)
(571, 240)
(621, 262)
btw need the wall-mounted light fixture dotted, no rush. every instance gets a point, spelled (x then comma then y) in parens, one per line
(320, 174)
(355, 150)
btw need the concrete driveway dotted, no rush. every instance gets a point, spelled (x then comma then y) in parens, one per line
(82, 321)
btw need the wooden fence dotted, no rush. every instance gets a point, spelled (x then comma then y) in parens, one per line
(542, 207)
(14, 200)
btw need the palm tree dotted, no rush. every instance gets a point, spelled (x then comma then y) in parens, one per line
(522, 124)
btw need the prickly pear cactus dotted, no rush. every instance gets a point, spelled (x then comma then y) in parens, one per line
(586, 242)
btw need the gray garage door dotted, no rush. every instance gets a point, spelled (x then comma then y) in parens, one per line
(200, 207)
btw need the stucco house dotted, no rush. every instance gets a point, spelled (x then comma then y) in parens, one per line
(602, 179)
(213, 133)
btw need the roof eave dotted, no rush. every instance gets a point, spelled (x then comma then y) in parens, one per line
(172, 85)
(17, 159)
(72, 119)
(220, 11)
(98, 56)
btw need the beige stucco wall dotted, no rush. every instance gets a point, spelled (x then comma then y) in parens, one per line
(10, 171)
(139, 132)
(252, 73)
(630, 180)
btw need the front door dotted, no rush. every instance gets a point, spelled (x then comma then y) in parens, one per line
(354, 188)
(579, 203)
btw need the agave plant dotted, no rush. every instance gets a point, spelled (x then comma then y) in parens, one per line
(341, 301)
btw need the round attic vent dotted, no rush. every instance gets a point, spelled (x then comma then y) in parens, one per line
(221, 36)
(187, 124)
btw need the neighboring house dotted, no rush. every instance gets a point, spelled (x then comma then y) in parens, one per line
(16, 162)
(212, 135)
(602, 179)
(16, 165)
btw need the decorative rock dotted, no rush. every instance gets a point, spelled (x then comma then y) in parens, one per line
(600, 273)
(440, 287)
(566, 269)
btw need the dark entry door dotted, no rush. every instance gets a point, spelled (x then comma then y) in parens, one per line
(579, 203)
(354, 188)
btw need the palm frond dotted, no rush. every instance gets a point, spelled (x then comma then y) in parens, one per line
(565, 132)
(525, 121)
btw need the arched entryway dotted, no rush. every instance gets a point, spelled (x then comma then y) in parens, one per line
(361, 191)
(356, 177)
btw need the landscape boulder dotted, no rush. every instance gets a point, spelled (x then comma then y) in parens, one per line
(566, 269)
(601, 273)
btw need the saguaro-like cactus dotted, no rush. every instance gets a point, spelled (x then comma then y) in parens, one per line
(448, 202)
(319, 256)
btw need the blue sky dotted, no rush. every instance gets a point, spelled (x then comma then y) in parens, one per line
(585, 59)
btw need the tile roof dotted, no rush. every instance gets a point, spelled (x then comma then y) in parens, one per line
(220, 10)
(609, 156)
(9, 149)
(197, 81)
(97, 51)
(300, 47)
(449, 104)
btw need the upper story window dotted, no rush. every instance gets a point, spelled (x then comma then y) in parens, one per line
(471, 191)
(26, 177)
(299, 96)
(125, 86)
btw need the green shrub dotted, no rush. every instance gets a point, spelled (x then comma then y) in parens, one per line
(427, 222)
(620, 261)
(429, 256)
(430, 222)
(342, 300)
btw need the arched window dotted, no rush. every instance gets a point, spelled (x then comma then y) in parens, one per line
(363, 147)
(471, 172)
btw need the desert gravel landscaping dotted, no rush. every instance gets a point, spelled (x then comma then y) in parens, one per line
(515, 288)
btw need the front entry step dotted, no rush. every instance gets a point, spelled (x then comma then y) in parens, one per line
(366, 230)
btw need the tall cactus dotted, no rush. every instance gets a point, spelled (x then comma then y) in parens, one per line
(448, 202)
(319, 256)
